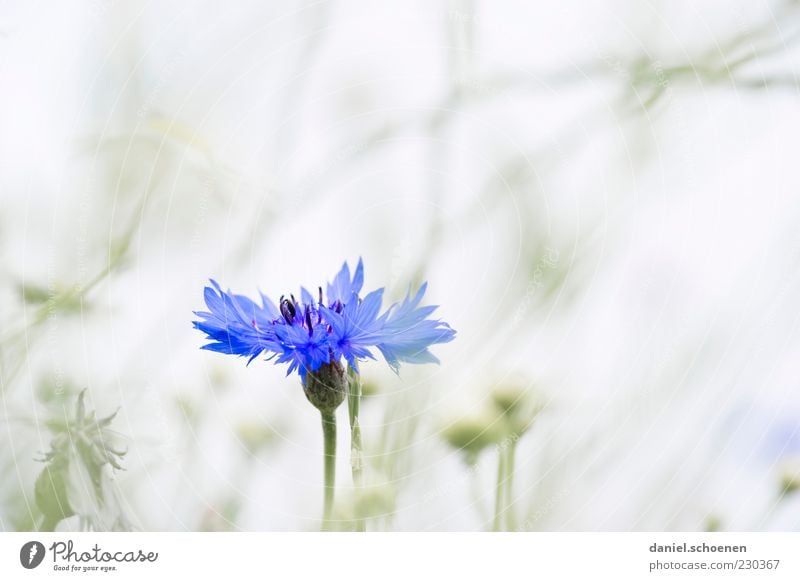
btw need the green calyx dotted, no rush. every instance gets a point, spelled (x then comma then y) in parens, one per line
(326, 388)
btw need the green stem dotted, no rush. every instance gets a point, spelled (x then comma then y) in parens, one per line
(48, 525)
(329, 437)
(511, 521)
(356, 448)
(499, 491)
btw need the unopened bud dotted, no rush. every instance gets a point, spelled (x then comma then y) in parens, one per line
(326, 387)
(518, 404)
(473, 433)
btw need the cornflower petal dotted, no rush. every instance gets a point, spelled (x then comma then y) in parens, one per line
(319, 330)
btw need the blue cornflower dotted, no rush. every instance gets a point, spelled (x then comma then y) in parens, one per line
(315, 336)
(324, 330)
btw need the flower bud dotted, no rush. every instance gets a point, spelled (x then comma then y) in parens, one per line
(713, 524)
(255, 436)
(519, 406)
(790, 480)
(326, 387)
(473, 433)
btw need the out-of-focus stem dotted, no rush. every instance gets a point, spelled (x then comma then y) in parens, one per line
(499, 492)
(510, 451)
(356, 448)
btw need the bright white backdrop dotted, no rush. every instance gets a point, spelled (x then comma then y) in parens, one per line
(601, 197)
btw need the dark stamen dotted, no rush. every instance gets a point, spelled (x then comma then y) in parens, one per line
(288, 310)
(308, 320)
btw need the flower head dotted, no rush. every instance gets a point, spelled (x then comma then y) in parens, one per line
(323, 329)
(77, 479)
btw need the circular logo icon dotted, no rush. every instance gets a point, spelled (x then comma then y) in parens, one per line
(31, 554)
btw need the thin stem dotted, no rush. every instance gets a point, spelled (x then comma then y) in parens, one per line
(499, 491)
(329, 437)
(356, 448)
(510, 451)
(48, 525)
(476, 494)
